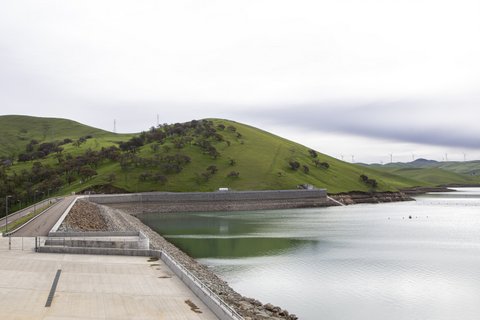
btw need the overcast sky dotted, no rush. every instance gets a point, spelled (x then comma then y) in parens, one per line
(367, 78)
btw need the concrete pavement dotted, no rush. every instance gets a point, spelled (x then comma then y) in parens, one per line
(91, 287)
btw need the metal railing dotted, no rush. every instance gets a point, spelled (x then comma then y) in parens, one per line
(17, 243)
(226, 307)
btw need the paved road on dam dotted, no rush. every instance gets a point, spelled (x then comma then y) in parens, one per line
(21, 213)
(44, 223)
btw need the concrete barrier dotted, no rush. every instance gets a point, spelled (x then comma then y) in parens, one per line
(99, 239)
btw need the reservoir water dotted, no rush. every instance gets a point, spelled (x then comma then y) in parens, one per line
(355, 262)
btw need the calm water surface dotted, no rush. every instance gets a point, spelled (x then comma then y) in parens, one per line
(356, 262)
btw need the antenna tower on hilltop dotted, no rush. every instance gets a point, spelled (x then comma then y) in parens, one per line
(114, 126)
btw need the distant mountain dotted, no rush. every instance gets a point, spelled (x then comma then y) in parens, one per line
(424, 163)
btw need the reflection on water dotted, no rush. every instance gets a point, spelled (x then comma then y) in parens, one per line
(223, 235)
(357, 262)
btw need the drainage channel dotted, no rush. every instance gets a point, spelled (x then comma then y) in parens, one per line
(53, 289)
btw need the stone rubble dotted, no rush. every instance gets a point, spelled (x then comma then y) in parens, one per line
(84, 216)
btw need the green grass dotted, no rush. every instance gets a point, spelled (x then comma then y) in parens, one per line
(17, 131)
(261, 159)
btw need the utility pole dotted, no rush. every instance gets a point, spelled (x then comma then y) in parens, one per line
(446, 156)
(34, 201)
(6, 213)
(391, 158)
(464, 157)
(114, 126)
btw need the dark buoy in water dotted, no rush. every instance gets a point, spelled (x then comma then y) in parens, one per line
(409, 217)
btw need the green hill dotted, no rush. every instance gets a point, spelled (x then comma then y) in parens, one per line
(435, 173)
(199, 155)
(17, 131)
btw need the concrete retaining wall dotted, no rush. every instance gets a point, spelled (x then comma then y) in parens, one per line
(214, 201)
(99, 239)
(95, 234)
(97, 251)
(210, 196)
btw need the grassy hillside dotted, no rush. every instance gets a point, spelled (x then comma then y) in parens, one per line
(261, 159)
(17, 131)
(195, 156)
(435, 173)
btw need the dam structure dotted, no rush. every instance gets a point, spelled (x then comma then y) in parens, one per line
(213, 201)
(164, 278)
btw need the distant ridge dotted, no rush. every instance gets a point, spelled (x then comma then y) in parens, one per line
(435, 172)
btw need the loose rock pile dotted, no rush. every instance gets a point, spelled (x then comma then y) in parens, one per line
(84, 216)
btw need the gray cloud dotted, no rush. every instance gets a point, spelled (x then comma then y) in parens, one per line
(423, 122)
(313, 66)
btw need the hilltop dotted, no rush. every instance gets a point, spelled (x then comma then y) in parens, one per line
(200, 155)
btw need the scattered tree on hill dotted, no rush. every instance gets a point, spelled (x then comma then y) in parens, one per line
(159, 178)
(212, 169)
(313, 153)
(86, 173)
(132, 145)
(144, 176)
(233, 174)
(306, 169)
(370, 182)
(112, 177)
(294, 165)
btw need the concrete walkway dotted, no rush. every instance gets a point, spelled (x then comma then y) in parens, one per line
(91, 287)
